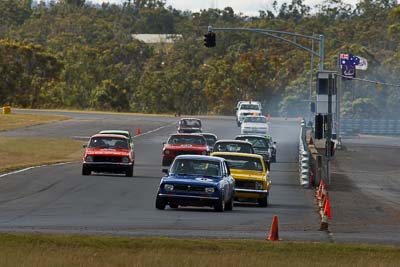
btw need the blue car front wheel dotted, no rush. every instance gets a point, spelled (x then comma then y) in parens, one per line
(220, 205)
(160, 203)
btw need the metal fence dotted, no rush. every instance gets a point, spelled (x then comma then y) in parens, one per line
(304, 157)
(367, 126)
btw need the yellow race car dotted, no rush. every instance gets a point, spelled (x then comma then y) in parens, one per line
(251, 176)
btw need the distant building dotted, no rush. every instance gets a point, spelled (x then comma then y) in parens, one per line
(157, 38)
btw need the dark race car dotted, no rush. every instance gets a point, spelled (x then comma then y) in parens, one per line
(237, 146)
(210, 139)
(180, 144)
(197, 181)
(272, 145)
(260, 145)
(189, 125)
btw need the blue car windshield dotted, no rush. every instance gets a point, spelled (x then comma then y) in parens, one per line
(196, 167)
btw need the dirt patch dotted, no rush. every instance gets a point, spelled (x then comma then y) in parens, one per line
(364, 192)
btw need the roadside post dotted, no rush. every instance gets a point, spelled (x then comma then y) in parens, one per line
(326, 92)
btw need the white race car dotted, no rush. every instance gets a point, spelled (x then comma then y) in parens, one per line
(255, 125)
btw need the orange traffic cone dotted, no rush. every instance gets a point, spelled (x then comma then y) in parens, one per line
(327, 208)
(273, 233)
(139, 131)
(319, 193)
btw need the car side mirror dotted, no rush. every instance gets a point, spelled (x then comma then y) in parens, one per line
(274, 142)
(165, 171)
(84, 146)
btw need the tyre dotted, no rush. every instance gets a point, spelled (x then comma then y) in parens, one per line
(160, 203)
(263, 202)
(86, 171)
(220, 206)
(269, 165)
(129, 172)
(229, 204)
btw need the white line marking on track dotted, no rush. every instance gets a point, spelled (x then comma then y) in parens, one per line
(154, 130)
(30, 168)
(63, 163)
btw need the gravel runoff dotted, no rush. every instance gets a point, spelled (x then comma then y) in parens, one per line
(365, 191)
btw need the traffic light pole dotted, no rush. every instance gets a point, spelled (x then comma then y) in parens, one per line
(279, 35)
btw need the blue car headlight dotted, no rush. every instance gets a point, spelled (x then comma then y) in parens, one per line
(169, 187)
(209, 190)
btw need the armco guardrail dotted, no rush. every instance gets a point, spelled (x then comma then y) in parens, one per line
(304, 157)
(367, 126)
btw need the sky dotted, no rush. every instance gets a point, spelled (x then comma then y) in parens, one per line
(247, 7)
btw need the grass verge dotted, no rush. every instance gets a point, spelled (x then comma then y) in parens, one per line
(14, 121)
(70, 250)
(20, 152)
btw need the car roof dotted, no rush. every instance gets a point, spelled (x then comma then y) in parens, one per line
(209, 134)
(237, 154)
(232, 141)
(200, 157)
(114, 131)
(250, 135)
(197, 119)
(110, 135)
(255, 116)
(186, 134)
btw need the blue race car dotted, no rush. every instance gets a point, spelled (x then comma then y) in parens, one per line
(195, 180)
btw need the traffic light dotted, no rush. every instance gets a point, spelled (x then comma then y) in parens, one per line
(209, 39)
(319, 126)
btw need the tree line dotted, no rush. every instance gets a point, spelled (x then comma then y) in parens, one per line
(73, 54)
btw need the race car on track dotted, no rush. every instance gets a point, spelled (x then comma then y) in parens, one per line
(272, 146)
(210, 139)
(197, 181)
(261, 146)
(233, 146)
(180, 144)
(254, 125)
(120, 132)
(251, 176)
(189, 125)
(108, 153)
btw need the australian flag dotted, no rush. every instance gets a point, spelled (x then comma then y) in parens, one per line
(349, 63)
(349, 59)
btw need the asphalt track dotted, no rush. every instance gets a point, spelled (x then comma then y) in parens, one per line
(58, 199)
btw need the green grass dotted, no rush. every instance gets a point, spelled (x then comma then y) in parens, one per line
(20, 152)
(71, 250)
(14, 121)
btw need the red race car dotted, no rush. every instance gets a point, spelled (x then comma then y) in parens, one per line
(108, 153)
(180, 144)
